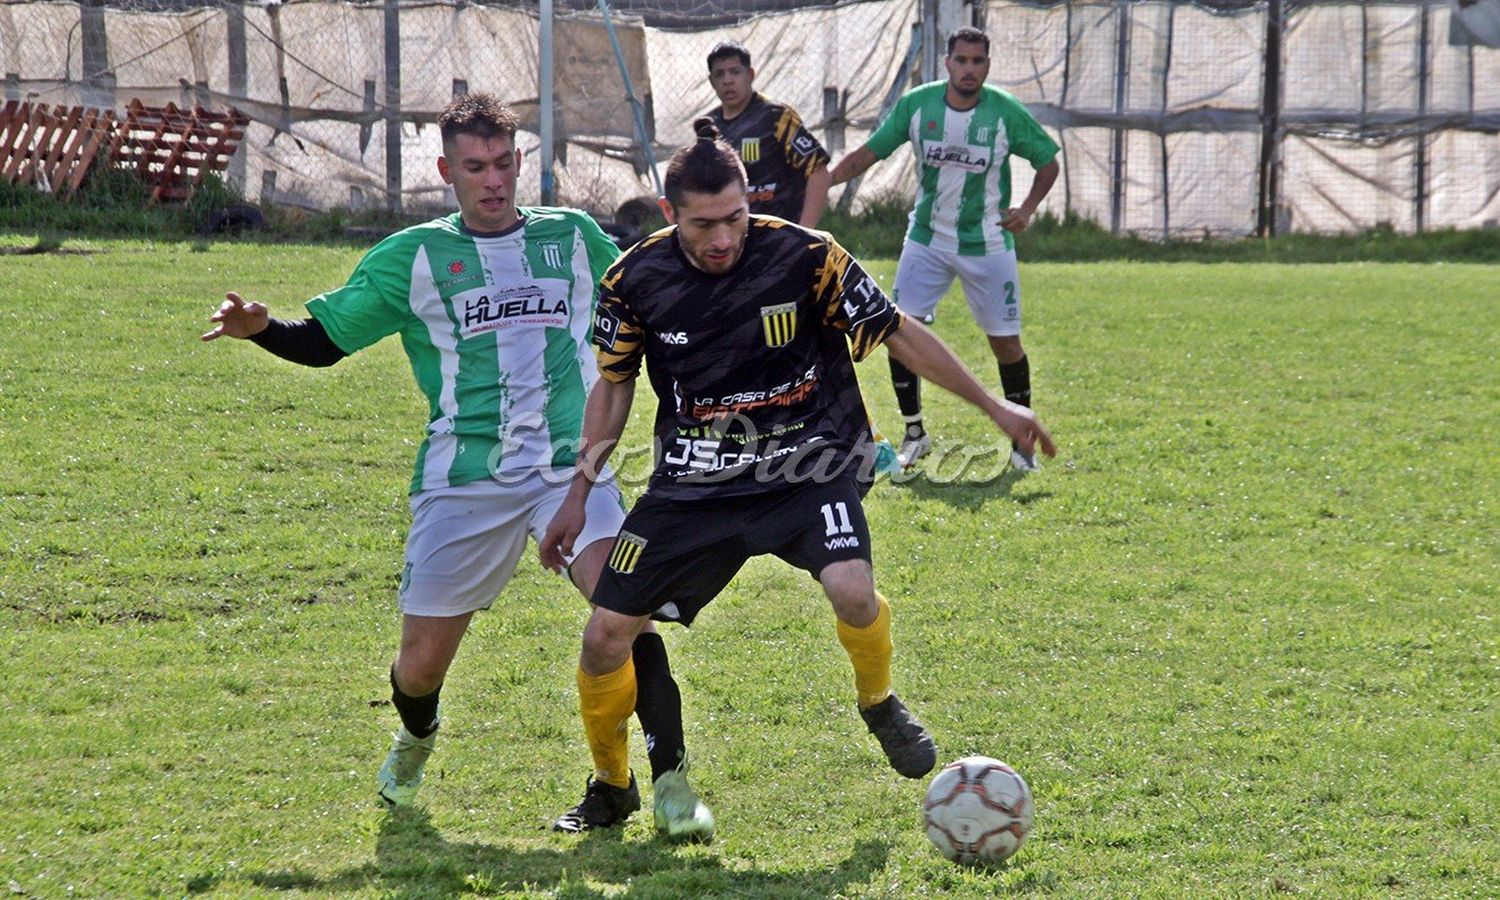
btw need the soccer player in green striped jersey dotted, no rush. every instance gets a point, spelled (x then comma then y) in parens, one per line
(963, 133)
(495, 308)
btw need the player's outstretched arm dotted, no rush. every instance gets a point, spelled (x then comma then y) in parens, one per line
(916, 347)
(853, 165)
(238, 319)
(604, 418)
(305, 342)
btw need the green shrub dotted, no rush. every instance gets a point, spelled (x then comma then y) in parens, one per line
(114, 203)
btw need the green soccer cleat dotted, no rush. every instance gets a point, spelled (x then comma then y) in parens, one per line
(680, 815)
(401, 775)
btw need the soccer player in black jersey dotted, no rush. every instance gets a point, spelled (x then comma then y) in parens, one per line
(785, 166)
(753, 322)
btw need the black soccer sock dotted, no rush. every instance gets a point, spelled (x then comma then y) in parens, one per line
(1015, 381)
(908, 396)
(418, 714)
(658, 704)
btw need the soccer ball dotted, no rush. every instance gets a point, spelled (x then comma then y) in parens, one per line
(978, 810)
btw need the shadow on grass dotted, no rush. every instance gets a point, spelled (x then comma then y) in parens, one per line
(413, 859)
(972, 495)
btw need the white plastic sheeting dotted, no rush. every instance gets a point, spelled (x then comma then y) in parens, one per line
(1380, 119)
(1158, 105)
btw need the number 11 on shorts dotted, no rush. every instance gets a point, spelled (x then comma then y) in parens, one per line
(836, 519)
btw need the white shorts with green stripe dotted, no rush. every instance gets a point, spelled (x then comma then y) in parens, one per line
(466, 541)
(991, 285)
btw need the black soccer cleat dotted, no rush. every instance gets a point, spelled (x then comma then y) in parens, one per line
(603, 806)
(906, 743)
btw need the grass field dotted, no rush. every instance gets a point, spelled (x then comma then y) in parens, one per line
(1240, 637)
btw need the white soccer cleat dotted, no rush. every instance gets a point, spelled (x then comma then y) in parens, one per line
(913, 449)
(680, 815)
(1023, 463)
(401, 775)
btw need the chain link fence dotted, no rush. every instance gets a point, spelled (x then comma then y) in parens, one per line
(1215, 118)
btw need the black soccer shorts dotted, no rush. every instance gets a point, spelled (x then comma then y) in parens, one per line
(672, 557)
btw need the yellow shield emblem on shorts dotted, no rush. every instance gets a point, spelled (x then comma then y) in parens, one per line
(627, 552)
(779, 323)
(750, 149)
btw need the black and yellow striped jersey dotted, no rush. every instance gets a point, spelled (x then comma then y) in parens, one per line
(757, 363)
(778, 152)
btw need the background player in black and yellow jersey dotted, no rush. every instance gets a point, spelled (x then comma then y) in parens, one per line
(753, 321)
(785, 166)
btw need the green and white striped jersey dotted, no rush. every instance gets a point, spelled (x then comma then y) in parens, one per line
(963, 163)
(497, 329)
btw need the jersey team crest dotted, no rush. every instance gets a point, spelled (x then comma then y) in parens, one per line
(750, 149)
(627, 552)
(780, 323)
(551, 253)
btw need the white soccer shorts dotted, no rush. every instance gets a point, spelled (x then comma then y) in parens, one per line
(991, 285)
(466, 541)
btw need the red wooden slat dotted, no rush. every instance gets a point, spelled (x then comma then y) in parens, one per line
(34, 163)
(15, 126)
(67, 128)
(81, 120)
(22, 144)
(100, 130)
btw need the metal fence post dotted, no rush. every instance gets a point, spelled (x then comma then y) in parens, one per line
(238, 83)
(1166, 168)
(1270, 122)
(1424, 81)
(98, 79)
(393, 105)
(546, 99)
(1117, 148)
(833, 120)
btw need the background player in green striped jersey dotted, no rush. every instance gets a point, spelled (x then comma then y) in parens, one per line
(963, 133)
(494, 305)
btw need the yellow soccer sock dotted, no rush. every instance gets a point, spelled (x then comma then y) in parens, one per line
(869, 648)
(606, 702)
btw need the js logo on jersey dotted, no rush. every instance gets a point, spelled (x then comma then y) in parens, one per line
(627, 552)
(780, 323)
(750, 149)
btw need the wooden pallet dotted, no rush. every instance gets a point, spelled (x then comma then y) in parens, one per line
(172, 149)
(52, 147)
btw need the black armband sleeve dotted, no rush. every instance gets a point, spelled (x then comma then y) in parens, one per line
(305, 342)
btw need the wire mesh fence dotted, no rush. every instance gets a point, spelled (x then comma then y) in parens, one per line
(1175, 118)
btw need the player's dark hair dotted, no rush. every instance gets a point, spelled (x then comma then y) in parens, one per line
(969, 35)
(708, 166)
(726, 49)
(479, 115)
